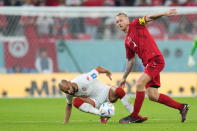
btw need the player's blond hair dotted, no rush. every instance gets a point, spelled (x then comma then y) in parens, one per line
(121, 13)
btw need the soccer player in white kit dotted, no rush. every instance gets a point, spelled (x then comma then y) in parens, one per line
(87, 93)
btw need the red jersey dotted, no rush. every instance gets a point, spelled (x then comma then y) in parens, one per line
(140, 41)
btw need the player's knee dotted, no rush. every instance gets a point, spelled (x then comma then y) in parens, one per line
(120, 92)
(139, 85)
(152, 97)
(77, 102)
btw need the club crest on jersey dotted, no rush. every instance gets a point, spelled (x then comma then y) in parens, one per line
(130, 40)
(84, 89)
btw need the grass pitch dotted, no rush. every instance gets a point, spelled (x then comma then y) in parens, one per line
(48, 115)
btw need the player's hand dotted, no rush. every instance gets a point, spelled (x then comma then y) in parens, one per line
(191, 61)
(103, 70)
(122, 83)
(171, 12)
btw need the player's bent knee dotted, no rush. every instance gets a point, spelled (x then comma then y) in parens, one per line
(77, 102)
(120, 92)
(152, 98)
(140, 85)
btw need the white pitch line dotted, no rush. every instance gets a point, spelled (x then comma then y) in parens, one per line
(61, 122)
(42, 121)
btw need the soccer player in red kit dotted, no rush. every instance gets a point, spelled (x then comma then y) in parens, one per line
(139, 40)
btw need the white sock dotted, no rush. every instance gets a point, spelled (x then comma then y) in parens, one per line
(127, 103)
(89, 108)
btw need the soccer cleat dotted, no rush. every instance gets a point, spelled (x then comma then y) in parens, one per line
(125, 119)
(130, 119)
(104, 119)
(183, 112)
(142, 119)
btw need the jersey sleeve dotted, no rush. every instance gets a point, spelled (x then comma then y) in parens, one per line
(139, 21)
(69, 99)
(92, 75)
(129, 53)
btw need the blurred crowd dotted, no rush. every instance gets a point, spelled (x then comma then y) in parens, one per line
(177, 27)
(98, 2)
(182, 27)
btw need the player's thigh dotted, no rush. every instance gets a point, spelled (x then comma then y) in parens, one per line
(143, 80)
(88, 100)
(101, 96)
(154, 67)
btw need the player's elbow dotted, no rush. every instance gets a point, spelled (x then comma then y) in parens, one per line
(149, 18)
(131, 61)
(98, 67)
(69, 105)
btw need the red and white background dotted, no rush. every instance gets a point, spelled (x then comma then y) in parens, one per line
(24, 31)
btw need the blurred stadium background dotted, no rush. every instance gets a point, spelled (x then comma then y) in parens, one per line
(43, 41)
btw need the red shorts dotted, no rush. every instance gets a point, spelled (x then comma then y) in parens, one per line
(153, 69)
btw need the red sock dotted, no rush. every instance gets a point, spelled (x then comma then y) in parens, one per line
(120, 92)
(166, 100)
(138, 103)
(77, 102)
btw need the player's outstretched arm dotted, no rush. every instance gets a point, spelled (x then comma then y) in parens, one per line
(103, 70)
(129, 66)
(68, 112)
(170, 12)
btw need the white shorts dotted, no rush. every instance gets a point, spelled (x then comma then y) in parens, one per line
(102, 97)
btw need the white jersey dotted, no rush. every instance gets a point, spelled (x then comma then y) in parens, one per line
(89, 86)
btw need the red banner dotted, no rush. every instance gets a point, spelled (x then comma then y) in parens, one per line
(23, 52)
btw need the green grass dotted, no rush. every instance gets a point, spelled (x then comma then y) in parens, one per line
(48, 115)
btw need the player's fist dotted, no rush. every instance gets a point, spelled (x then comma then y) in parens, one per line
(122, 83)
(191, 61)
(171, 12)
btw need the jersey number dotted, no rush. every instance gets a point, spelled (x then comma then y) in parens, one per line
(93, 75)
